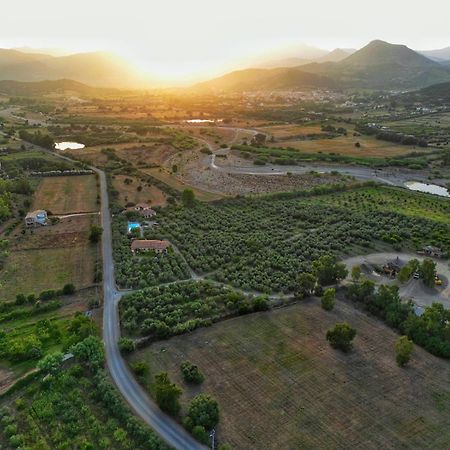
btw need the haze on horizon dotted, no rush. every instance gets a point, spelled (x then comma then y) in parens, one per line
(179, 42)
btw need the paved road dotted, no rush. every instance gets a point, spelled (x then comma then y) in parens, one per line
(169, 430)
(164, 426)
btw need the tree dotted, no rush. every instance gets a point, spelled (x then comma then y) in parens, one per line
(51, 363)
(341, 336)
(328, 270)
(200, 434)
(328, 299)
(167, 394)
(68, 289)
(204, 411)
(406, 272)
(305, 285)
(126, 345)
(188, 198)
(356, 273)
(95, 233)
(261, 303)
(191, 373)
(428, 272)
(403, 349)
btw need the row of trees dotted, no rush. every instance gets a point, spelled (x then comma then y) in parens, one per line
(430, 330)
(261, 244)
(164, 311)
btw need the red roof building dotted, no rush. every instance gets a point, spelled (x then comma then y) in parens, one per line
(144, 245)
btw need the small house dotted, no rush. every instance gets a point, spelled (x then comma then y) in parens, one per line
(36, 218)
(145, 245)
(435, 252)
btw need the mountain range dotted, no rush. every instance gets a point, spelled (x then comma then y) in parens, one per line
(378, 65)
(96, 68)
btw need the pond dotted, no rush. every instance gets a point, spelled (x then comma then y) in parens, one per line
(428, 188)
(203, 120)
(68, 145)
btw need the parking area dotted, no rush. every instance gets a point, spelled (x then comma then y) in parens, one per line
(414, 289)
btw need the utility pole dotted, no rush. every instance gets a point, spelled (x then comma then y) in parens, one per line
(212, 435)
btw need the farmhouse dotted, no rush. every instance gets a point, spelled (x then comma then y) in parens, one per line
(141, 245)
(144, 210)
(36, 218)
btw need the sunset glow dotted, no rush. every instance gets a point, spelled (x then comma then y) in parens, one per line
(178, 41)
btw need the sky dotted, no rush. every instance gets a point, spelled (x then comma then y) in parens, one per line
(184, 40)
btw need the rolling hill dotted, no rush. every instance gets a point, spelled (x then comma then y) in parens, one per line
(267, 79)
(96, 69)
(31, 88)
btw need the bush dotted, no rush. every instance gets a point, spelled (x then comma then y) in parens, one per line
(95, 233)
(126, 345)
(68, 289)
(204, 411)
(328, 299)
(167, 394)
(403, 349)
(341, 336)
(191, 373)
(200, 434)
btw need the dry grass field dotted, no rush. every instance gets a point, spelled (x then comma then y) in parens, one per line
(49, 258)
(177, 184)
(345, 145)
(281, 386)
(65, 195)
(130, 193)
(286, 131)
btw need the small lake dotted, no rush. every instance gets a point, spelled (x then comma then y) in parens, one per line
(428, 188)
(68, 145)
(203, 120)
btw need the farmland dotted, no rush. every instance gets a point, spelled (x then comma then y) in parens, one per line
(280, 385)
(65, 195)
(74, 406)
(264, 243)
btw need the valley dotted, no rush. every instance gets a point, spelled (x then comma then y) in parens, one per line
(177, 279)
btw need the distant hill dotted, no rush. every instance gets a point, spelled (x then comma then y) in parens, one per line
(380, 65)
(442, 54)
(436, 94)
(96, 69)
(266, 79)
(338, 54)
(30, 88)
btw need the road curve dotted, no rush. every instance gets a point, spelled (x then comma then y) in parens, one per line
(169, 430)
(164, 426)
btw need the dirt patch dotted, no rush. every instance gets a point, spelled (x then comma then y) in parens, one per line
(280, 385)
(64, 195)
(128, 191)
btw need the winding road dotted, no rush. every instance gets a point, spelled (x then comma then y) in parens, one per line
(169, 430)
(164, 426)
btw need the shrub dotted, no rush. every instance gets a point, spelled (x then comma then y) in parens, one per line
(204, 411)
(403, 349)
(68, 289)
(167, 394)
(328, 299)
(200, 434)
(191, 373)
(126, 345)
(341, 336)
